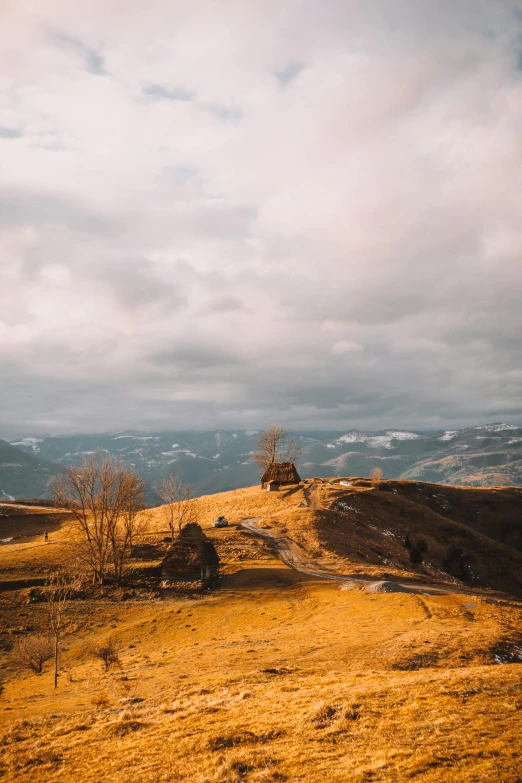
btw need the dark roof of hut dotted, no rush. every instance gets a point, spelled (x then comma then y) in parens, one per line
(281, 473)
(190, 549)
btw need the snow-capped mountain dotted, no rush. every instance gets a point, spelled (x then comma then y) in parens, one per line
(216, 461)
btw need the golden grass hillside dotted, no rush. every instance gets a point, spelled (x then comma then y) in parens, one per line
(361, 530)
(275, 676)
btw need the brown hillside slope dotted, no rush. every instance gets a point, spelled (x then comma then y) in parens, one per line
(274, 677)
(22, 521)
(362, 530)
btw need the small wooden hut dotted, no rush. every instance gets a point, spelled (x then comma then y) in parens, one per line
(192, 557)
(279, 474)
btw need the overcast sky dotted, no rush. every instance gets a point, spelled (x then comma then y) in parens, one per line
(224, 213)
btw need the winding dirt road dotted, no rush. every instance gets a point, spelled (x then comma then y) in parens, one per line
(295, 557)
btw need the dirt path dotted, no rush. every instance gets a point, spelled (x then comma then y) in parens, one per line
(295, 557)
(289, 552)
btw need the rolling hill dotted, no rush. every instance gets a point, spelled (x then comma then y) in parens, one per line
(280, 675)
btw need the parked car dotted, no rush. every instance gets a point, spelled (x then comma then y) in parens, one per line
(221, 522)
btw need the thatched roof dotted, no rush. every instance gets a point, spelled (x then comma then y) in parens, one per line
(189, 553)
(281, 473)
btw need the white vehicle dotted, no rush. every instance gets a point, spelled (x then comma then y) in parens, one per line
(221, 522)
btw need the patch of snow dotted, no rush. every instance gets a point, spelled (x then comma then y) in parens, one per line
(249, 433)
(387, 533)
(380, 442)
(375, 441)
(514, 440)
(29, 442)
(345, 507)
(496, 427)
(76, 453)
(449, 435)
(6, 540)
(5, 496)
(353, 437)
(136, 437)
(400, 435)
(234, 435)
(176, 453)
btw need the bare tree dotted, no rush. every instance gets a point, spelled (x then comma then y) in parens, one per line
(376, 475)
(107, 653)
(123, 524)
(59, 591)
(33, 651)
(179, 508)
(103, 497)
(275, 445)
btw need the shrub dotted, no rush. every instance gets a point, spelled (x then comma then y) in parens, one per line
(101, 701)
(376, 475)
(416, 556)
(325, 715)
(417, 549)
(107, 653)
(33, 651)
(455, 563)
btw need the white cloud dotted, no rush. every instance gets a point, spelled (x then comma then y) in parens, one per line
(204, 206)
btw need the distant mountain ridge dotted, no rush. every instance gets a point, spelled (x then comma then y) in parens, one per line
(219, 460)
(24, 474)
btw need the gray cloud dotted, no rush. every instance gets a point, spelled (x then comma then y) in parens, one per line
(40, 208)
(160, 92)
(290, 71)
(10, 133)
(322, 229)
(93, 61)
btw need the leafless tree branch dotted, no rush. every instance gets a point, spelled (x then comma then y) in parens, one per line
(275, 445)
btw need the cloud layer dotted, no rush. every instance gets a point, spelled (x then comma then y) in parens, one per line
(224, 214)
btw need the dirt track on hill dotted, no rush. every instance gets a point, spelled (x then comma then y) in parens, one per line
(295, 557)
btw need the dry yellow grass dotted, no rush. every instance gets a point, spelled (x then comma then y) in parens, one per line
(274, 677)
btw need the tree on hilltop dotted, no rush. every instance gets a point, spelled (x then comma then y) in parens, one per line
(275, 445)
